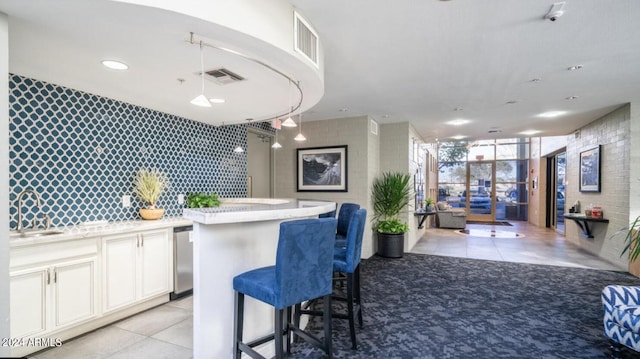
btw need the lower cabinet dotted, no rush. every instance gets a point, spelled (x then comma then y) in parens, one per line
(63, 289)
(49, 297)
(136, 266)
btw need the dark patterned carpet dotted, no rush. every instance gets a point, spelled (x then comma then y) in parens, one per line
(423, 306)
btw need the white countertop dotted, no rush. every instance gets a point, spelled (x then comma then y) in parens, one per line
(81, 231)
(238, 210)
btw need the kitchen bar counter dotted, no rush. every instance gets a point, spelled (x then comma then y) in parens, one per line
(240, 235)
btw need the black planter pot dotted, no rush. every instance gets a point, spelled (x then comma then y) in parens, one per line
(390, 245)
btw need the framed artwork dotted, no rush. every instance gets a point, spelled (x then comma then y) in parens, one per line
(322, 169)
(590, 170)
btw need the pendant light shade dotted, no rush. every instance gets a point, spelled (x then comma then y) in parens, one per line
(201, 100)
(300, 136)
(276, 145)
(289, 122)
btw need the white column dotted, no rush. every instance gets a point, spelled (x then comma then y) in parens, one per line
(4, 179)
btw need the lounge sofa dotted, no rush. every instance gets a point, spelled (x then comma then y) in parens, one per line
(448, 217)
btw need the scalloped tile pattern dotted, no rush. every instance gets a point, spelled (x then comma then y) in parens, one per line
(80, 152)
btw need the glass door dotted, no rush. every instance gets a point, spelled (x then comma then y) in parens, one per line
(561, 165)
(480, 193)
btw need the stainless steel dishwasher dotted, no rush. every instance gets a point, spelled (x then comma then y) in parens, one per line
(182, 262)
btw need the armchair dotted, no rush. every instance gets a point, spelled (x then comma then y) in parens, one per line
(450, 217)
(622, 317)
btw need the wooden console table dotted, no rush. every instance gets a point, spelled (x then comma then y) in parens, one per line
(583, 222)
(423, 216)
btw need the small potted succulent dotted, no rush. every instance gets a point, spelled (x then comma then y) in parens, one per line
(428, 205)
(148, 186)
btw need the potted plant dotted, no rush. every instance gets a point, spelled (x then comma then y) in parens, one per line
(149, 185)
(202, 200)
(632, 245)
(390, 195)
(428, 204)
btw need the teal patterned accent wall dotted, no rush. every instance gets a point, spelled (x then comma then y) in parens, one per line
(80, 152)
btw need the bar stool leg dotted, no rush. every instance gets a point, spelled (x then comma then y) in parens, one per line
(357, 295)
(277, 335)
(352, 326)
(326, 316)
(238, 323)
(288, 330)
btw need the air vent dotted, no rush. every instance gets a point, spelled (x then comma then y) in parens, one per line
(223, 76)
(305, 39)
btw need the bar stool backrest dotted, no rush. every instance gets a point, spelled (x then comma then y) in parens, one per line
(347, 210)
(354, 239)
(304, 260)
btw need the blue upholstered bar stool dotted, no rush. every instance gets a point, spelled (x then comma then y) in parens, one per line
(347, 260)
(331, 214)
(347, 210)
(303, 271)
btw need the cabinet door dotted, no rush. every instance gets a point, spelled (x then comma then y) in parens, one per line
(155, 263)
(28, 301)
(119, 270)
(74, 291)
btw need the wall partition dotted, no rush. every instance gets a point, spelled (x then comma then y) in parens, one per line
(488, 178)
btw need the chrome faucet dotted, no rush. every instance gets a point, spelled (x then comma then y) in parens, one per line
(20, 228)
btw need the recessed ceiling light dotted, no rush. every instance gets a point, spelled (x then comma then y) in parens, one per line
(512, 102)
(344, 109)
(574, 67)
(115, 65)
(572, 97)
(494, 131)
(536, 80)
(457, 109)
(458, 137)
(216, 100)
(551, 114)
(458, 122)
(385, 116)
(530, 132)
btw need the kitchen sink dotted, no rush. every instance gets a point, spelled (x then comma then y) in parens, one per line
(31, 234)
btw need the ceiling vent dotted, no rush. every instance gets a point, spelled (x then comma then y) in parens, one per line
(222, 76)
(305, 39)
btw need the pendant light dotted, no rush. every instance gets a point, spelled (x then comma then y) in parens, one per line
(300, 137)
(289, 122)
(276, 145)
(201, 100)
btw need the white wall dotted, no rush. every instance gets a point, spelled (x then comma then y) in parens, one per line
(4, 178)
(612, 133)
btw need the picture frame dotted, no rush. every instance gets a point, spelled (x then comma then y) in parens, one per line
(322, 169)
(589, 180)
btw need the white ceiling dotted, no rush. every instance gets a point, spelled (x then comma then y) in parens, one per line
(406, 60)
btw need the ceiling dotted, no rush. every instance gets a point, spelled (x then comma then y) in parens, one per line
(424, 62)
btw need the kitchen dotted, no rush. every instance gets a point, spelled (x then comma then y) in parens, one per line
(78, 143)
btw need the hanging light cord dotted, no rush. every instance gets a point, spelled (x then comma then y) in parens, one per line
(202, 67)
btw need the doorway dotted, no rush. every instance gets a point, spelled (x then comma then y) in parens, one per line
(259, 165)
(480, 191)
(556, 169)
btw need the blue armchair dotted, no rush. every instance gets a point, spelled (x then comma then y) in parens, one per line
(622, 317)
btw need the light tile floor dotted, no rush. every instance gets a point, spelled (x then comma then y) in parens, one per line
(167, 331)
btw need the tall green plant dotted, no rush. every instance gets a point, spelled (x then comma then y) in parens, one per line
(632, 241)
(390, 194)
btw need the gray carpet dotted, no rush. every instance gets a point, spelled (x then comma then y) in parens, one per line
(423, 306)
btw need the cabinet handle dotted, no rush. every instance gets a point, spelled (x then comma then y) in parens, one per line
(142, 240)
(137, 240)
(48, 277)
(55, 276)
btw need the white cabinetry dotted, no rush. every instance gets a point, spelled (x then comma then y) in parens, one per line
(48, 296)
(136, 266)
